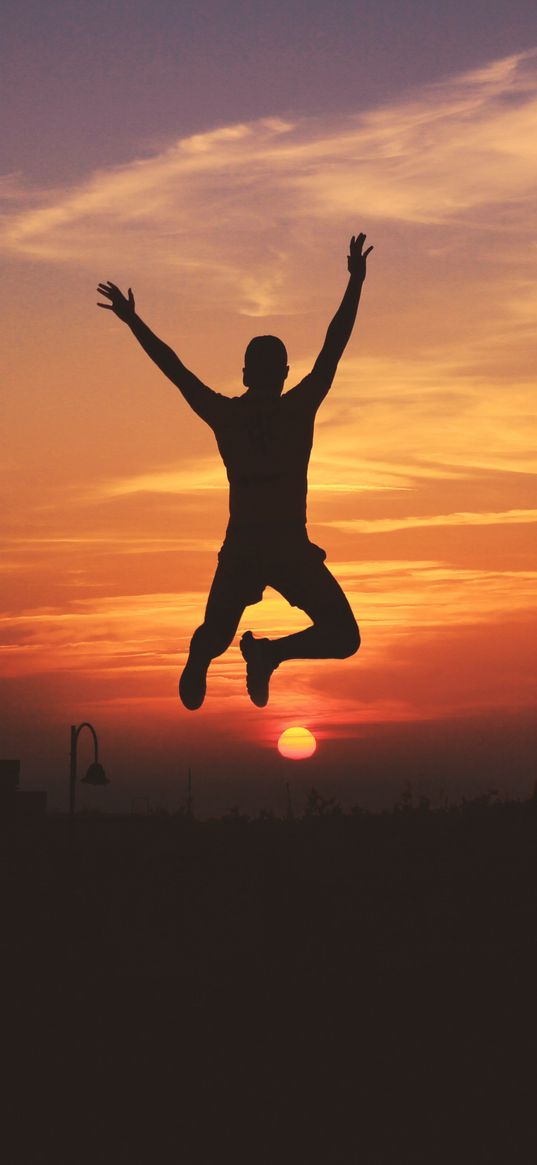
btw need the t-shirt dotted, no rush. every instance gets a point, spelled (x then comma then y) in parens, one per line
(265, 443)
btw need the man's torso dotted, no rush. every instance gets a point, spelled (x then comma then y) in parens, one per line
(265, 445)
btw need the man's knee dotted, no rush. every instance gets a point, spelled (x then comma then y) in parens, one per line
(349, 640)
(215, 634)
(344, 635)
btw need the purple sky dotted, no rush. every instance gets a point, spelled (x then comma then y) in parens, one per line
(90, 84)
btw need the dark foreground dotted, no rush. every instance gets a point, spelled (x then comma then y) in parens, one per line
(335, 989)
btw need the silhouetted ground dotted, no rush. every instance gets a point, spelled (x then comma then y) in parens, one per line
(336, 989)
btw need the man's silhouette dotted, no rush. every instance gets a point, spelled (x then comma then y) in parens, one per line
(265, 441)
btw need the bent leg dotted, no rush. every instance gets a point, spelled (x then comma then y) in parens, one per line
(212, 638)
(334, 634)
(215, 634)
(222, 617)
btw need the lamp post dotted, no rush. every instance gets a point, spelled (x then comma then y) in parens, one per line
(95, 774)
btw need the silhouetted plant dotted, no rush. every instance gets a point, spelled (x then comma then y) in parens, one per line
(482, 801)
(234, 816)
(319, 806)
(267, 815)
(406, 799)
(183, 813)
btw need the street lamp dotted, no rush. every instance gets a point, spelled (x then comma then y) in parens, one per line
(95, 774)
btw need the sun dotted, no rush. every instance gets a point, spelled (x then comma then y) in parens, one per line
(297, 743)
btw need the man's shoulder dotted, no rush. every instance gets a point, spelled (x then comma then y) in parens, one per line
(224, 408)
(303, 395)
(234, 402)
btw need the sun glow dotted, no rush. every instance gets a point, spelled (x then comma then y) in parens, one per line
(297, 743)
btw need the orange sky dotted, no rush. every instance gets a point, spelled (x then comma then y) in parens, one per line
(422, 480)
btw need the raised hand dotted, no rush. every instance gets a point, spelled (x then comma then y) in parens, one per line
(120, 304)
(356, 259)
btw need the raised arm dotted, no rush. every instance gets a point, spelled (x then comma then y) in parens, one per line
(337, 337)
(201, 399)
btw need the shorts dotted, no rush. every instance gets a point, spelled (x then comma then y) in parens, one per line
(294, 567)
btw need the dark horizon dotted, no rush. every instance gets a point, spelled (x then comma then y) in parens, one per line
(440, 759)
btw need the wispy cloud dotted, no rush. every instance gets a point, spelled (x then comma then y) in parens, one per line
(243, 197)
(386, 525)
(206, 476)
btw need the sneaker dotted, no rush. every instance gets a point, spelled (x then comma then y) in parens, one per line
(259, 667)
(193, 683)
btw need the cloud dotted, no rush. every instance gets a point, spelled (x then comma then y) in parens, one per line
(387, 525)
(126, 544)
(444, 414)
(242, 199)
(205, 475)
(455, 147)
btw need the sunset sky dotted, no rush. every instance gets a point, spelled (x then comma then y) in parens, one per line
(217, 158)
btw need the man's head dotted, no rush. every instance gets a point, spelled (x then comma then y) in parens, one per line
(265, 364)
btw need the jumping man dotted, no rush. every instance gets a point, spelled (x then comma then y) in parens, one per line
(265, 438)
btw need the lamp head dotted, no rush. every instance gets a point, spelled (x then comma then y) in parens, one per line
(96, 775)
